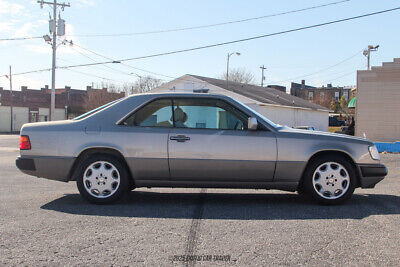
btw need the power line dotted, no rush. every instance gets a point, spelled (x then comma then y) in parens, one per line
(136, 68)
(321, 70)
(187, 28)
(124, 64)
(341, 76)
(27, 72)
(85, 73)
(105, 66)
(108, 58)
(223, 43)
(239, 40)
(211, 25)
(93, 75)
(21, 38)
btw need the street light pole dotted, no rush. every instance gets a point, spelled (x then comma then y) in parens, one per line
(11, 103)
(367, 53)
(227, 65)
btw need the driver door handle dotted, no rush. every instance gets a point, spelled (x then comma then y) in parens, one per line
(180, 138)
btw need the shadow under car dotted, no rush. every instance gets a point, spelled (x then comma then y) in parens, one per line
(228, 206)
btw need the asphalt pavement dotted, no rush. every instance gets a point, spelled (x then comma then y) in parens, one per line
(45, 222)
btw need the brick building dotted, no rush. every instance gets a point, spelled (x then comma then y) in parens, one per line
(320, 95)
(32, 105)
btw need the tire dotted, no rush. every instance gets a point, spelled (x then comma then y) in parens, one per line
(131, 186)
(330, 180)
(102, 179)
(300, 191)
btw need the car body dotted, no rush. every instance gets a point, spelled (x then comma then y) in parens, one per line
(223, 144)
(310, 128)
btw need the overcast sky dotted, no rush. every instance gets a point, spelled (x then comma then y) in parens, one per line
(287, 57)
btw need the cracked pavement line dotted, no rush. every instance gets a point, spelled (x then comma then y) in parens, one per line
(194, 227)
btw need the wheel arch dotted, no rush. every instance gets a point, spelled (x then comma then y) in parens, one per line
(332, 152)
(84, 154)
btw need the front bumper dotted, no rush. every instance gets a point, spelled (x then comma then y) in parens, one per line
(371, 174)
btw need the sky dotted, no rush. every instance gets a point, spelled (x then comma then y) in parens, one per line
(308, 54)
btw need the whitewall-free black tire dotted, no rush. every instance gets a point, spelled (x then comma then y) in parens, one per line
(102, 179)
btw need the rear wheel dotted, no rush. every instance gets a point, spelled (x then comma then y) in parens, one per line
(102, 179)
(330, 180)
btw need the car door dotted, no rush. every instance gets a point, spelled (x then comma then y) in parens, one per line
(210, 142)
(145, 137)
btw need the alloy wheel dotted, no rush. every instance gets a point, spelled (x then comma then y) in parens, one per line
(101, 179)
(331, 180)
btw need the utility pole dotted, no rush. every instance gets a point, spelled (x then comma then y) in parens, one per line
(11, 102)
(262, 75)
(55, 27)
(367, 53)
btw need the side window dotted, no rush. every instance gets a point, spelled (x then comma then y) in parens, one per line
(208, 114)
(155, 114)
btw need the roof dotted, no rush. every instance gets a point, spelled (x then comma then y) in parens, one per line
(352, 103)
(301, 86)
(179, 94)
(265, 95)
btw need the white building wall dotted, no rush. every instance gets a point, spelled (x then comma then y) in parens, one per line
(44, 114)
(59, 114)
(21, 116)
(294, 116)
(284, 115)
(5, 119)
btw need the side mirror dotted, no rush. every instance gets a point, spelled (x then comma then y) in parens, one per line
(252, 124)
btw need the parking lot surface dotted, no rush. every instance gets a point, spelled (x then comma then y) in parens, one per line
(45, 222)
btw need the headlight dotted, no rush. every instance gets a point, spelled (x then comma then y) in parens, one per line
(373, 151)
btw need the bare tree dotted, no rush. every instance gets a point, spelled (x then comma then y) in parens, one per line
(239, 75)
(143, 84)
(111, 87)
(98, 97)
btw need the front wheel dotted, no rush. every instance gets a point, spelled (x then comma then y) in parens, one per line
(330, 180)
(102, 179)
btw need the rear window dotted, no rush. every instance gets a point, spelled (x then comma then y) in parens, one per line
(96, 110)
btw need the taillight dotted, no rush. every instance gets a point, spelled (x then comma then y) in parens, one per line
(24, 142)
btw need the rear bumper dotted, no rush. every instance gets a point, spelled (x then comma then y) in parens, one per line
(53, 168)
(25, 164)
(371, 174)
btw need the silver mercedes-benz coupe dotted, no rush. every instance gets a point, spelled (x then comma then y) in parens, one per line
(194, 140)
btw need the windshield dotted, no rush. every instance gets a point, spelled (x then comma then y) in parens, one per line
(258, 114)
(95, 110)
